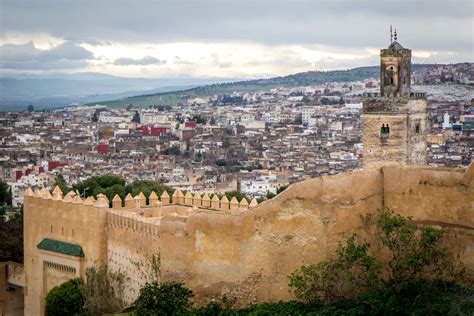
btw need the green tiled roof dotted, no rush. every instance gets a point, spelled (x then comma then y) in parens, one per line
(61, 247)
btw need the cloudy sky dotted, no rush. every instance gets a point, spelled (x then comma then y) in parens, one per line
(225, 38)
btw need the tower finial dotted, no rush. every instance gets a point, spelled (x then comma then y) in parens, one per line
(391, 34)
(395, 35)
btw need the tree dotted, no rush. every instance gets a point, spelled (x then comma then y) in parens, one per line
(11, 236)
(270, 195)
(282, 188)
(174, 150)
(169, 298)
(238, 195)
(325, 101)
(147, 186)
(62, 184)
(136, 118)
(351, 271)
(419, 277)
(99, 184)
(95, 117)
(221, 162)
(415, 253)
(5, 194)
(199, 119)
(111, 185)
(30, 108)
(65, 299)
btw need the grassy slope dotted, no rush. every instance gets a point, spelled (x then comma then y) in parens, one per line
(300, 79)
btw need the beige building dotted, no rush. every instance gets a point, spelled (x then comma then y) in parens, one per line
(394, 122)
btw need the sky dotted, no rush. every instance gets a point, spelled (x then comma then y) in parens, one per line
(225, 38)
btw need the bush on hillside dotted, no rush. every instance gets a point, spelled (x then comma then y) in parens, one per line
(169, 298)
(65, 299)
(418, 278)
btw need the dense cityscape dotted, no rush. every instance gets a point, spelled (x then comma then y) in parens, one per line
(251, 142)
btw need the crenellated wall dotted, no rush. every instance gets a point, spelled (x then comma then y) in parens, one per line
(69, 220)
(246, 251)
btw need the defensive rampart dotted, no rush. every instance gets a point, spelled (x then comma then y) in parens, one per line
(246, 251)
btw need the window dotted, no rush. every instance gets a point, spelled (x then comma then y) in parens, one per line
(385, 130)
(417, 128)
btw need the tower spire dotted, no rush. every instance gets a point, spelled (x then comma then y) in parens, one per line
(391, 35)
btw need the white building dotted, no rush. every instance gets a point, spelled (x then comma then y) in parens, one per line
(306, 113)
(446, 123)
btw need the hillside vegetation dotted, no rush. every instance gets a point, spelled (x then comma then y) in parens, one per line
(296, 80)
(300, 79)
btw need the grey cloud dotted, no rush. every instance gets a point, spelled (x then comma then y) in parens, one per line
(337, 26)
(22, 52)
(425, 24)
(26, 56)
(67, 50)
(147, 60)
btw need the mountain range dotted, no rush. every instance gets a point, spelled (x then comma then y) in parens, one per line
(60, 90)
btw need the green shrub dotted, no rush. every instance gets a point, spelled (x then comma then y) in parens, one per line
(167, 298)
(351, 271)
(65, 299)
(419, 277)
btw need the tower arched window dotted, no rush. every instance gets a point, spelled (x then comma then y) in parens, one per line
(385, 130)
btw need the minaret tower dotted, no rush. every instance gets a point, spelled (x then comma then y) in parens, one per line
(395, 69)
(394, 122)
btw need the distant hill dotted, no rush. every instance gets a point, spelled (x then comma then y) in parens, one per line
(300, 79)
(59, 89)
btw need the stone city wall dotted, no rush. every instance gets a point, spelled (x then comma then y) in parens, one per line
(248, 253)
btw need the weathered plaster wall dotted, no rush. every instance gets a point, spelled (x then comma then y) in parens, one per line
(131, 239)
(249, 254)
(437, 196)
(64, 221)
(11, 300)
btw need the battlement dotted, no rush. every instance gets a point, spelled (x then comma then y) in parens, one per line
(401, 52)
(179, 204)
(377, 95)
(375, 104)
